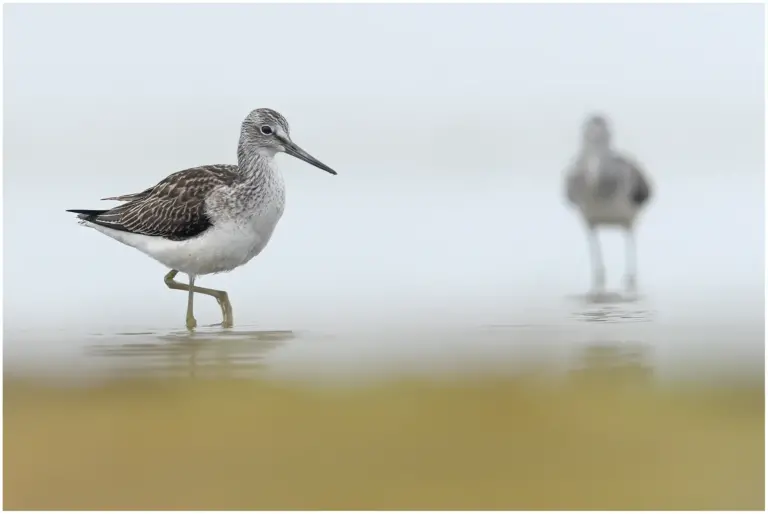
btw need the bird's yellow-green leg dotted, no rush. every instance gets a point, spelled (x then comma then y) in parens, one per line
(191, 321)
(221, 297)
(631, 258)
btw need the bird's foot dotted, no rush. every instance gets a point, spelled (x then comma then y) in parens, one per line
(221, 324)
(226, 309)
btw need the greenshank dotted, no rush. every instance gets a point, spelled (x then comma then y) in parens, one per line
(209, 219)
(609, 189)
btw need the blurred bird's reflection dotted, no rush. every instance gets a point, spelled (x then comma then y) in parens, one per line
(612, 308)
(613, 364)
(220, 353)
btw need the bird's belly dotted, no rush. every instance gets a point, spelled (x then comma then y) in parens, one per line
(614, 211)
(223, 247)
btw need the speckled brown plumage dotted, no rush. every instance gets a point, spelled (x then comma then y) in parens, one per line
(174, 208)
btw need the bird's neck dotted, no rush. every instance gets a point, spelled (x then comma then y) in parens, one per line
(595, 150)
(593, 156)
(255, 162)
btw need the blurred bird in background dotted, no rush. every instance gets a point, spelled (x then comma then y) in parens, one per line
(608, 189)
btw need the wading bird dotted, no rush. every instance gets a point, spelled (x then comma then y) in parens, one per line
(608, 189)
(209, 219)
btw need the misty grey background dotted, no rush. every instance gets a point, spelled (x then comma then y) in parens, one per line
(450, 126)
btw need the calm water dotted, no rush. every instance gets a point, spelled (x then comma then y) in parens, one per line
(625, 334)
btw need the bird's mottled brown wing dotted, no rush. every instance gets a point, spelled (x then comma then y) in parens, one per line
(641, 190)
(575, 182)
(174, 208)
(130, 197)
(574, 188)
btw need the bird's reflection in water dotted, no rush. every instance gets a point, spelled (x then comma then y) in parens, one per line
(216, 353)
(611, 308)
(617, 363)
(612, 355)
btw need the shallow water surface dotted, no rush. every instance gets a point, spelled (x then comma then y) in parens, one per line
(611, 331)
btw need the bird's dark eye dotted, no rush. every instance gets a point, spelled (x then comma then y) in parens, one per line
(266, 130)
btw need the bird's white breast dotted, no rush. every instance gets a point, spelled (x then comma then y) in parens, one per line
(617, 207)
(241, 234)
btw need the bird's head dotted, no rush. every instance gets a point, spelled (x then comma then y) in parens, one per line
(266, 132)
(596, 133)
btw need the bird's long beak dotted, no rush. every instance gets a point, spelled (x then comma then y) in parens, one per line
(292, 148)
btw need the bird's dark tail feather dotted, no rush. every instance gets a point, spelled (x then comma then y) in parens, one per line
(85, 214)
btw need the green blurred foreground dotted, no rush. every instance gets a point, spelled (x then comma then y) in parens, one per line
(498, 444)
